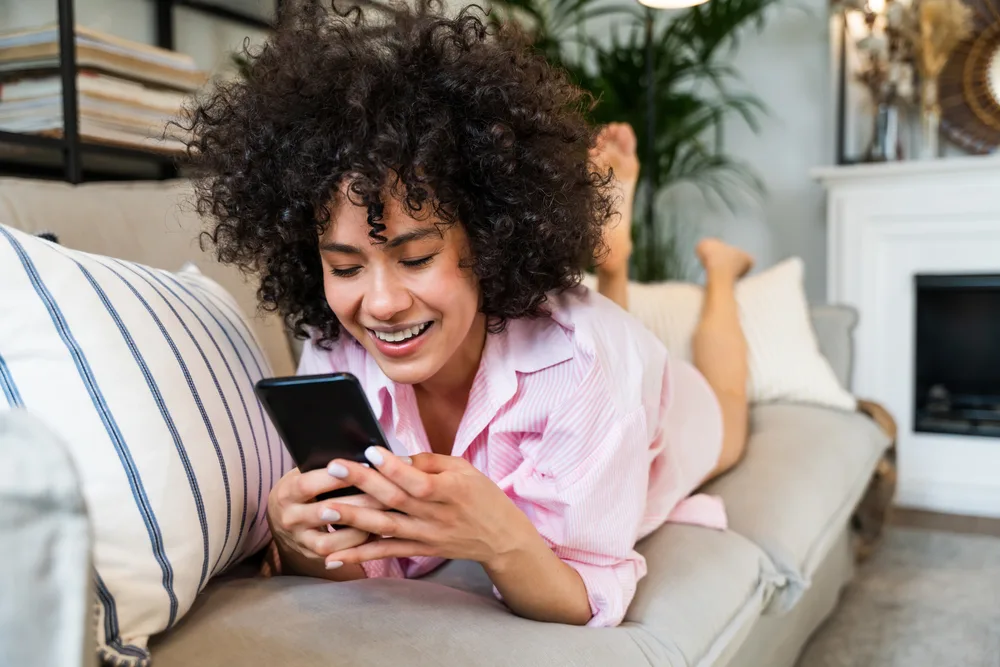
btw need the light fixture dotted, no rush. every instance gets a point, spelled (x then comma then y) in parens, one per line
(671, 4)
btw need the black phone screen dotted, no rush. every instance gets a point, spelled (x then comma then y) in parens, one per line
(321, 418)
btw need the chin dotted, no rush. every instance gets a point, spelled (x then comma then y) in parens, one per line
(407, 373)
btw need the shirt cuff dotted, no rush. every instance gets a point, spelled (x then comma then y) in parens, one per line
(384, 568)
(610, 588)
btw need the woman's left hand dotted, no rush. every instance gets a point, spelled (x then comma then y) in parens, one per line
(449, 510)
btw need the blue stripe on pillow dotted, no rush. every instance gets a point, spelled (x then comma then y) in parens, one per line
(204, 416)
(164, 412)
(261, 499)
(158, 288)
(247, 337)
(110, 425)
(111, 629)
(208, 297)
(10, 391)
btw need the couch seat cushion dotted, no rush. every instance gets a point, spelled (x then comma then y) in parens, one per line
(705, 589)
(804, 471)
(392, 622)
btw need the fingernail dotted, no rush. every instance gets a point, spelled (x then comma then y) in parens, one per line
(374, 455)
(407, 460)
(330, 515)
(337, 470)
(333, 564)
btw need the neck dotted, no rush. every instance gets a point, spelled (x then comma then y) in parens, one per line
(454, 380)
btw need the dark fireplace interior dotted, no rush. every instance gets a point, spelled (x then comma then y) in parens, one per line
(958, 355)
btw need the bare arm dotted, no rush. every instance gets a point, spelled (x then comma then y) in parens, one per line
(536, 584)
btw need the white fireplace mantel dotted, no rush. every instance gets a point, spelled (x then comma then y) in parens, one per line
(885, 224)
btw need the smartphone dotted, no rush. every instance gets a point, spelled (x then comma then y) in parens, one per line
(321, 418)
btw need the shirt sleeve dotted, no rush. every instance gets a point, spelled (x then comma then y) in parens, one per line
(583, 484)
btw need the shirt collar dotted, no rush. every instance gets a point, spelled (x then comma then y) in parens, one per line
(524, 346)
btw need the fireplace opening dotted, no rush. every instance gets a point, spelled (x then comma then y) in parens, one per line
(958, 354)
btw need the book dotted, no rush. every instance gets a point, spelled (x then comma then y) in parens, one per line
(98, 120)
(38, 49)
(96, 85)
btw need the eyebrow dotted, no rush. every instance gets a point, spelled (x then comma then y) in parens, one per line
(395, 242)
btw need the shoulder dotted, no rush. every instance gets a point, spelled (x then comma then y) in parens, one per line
(612, 348)
(578, 371)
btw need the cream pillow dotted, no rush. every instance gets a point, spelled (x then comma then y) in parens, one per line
(785, 360)
(148, 377)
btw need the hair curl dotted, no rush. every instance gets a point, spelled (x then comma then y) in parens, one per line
(460, 112)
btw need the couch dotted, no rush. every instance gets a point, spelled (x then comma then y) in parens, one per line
(750, 595)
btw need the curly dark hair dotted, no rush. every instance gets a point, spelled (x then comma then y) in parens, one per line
(460, 112)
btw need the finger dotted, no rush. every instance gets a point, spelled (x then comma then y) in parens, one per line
(323, 543)
(415, 481)
(308, 485)
(301, 516)
(379, 522)
(375, 484)
(378, 549)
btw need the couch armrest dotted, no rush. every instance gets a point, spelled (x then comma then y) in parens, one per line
(834, 327)
(872, 513)
(46, 609)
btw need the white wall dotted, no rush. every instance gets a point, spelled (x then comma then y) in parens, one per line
(788, 66)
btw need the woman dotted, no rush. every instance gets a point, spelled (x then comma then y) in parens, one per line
(419, 195)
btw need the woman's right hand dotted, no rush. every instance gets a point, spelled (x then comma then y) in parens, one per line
(299, 524)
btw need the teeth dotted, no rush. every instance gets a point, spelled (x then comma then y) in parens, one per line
(398, 336)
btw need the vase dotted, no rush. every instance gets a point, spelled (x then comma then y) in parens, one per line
(885, 146)
(930, 121)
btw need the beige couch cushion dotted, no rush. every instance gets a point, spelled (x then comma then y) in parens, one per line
(149, 222)
(704, 591)
(804, 472)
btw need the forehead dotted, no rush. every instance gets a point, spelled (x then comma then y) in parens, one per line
(348, 218)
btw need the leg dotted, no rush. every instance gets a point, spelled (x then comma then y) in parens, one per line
(719, 348)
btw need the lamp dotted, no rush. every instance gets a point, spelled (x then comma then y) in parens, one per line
(650, 5)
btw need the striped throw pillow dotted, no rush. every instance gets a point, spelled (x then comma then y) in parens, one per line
(148, 376)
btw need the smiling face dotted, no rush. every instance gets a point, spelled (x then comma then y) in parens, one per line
(407, 301)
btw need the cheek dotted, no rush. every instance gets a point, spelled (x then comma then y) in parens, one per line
(340, 297)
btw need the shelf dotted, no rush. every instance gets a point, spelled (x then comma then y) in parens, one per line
(230, 11)
(41, 156)
(74, 159)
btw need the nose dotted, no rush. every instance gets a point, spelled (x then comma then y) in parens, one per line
(387, 297)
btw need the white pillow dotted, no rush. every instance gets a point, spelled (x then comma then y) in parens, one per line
(148, 376)
(785, 360)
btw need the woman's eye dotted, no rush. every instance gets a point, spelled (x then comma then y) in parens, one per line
(345, 273)
(417, 262)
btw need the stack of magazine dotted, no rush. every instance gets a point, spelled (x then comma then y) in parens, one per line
(127, 92)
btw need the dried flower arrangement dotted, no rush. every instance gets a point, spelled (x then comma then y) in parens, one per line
(906, 44)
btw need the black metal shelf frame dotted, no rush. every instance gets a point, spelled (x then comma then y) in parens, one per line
(70, 144)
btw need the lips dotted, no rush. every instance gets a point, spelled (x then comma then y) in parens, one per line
(409, 340)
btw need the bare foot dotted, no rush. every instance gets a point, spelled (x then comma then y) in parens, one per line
(722, 259)
(615, 149)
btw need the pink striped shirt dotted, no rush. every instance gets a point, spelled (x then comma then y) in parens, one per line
(587, 426)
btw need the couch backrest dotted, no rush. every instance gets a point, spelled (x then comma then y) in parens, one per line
(149, 222)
